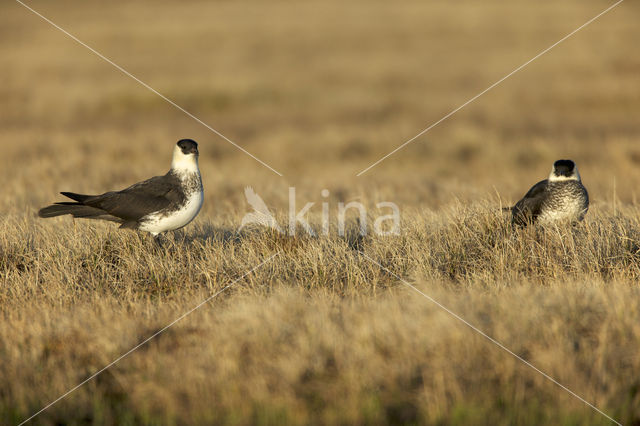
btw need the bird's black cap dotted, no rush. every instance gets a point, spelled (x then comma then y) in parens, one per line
(188, 146)
(564, 168)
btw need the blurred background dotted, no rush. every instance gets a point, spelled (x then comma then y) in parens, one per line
(319, 90)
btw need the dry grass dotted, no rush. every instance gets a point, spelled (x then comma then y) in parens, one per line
(320, 90)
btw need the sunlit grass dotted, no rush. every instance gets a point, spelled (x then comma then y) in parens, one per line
(321, 334)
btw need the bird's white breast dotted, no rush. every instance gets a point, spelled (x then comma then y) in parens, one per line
(569, 210)
(159, 222)
(564, 205)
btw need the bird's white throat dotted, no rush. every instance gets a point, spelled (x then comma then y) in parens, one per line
(555, 178)
(184, 164)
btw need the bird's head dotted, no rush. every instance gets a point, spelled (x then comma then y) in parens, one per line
(564, 170)
(185, 156)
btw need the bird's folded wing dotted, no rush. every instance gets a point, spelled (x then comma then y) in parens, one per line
(529, 207)
(140, 199)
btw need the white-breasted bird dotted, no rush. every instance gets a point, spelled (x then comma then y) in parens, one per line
(156, 205)
(559, 198)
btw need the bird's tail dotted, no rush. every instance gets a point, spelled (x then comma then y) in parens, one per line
(75, 209)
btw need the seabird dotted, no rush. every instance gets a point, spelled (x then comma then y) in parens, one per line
(156, 205)
(559, 198)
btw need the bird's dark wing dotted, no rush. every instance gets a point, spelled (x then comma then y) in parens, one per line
(528, 209)
(138, 200)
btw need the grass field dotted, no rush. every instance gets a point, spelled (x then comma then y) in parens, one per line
(326, 329)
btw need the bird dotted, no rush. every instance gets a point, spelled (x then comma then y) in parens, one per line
(156, 205)
(560, 198)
